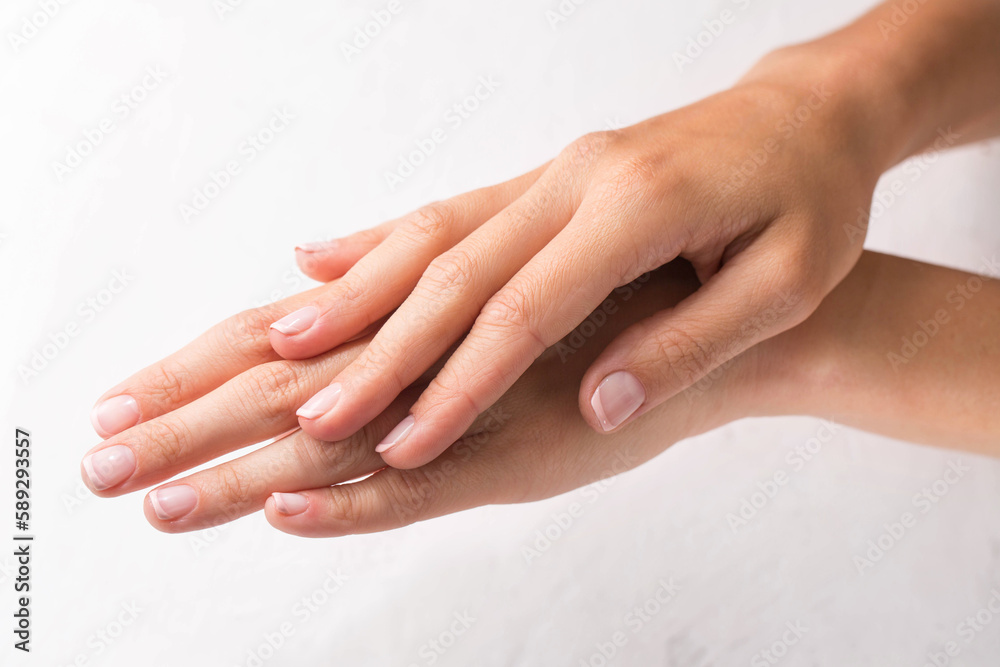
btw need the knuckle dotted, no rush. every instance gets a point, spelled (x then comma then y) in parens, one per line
(331, 458)
(686, 356)
(167, 438)
(236, 486)
(631, 177)
(346, 505)
(352, 289)
(169, 382)
(269, 386)
(411, 493)
(447, 274)
(450, 388)
(588, 148)
(247, 332)
(510, 311)
(385, 361)
(433, 221)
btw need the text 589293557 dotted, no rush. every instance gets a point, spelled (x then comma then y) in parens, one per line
(22, 539)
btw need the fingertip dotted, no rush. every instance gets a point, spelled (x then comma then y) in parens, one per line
(289, 504)
(320, 261)
(111, 416)
(616, 399)
(290, 335)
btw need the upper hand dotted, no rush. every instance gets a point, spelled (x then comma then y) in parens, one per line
(753, 186)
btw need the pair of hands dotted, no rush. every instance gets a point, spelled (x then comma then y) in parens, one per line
(751, 186)
(228, 389)
(728, 184)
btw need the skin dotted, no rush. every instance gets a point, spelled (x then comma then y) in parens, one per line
(228, 389)
(754, 186)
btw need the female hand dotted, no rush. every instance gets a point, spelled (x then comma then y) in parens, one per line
(752, 186)
(226, 390)
(533, 444)
(765, 188)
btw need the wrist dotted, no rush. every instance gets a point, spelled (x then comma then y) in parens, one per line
(864, 112)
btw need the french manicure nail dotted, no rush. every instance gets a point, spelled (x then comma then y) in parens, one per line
(173, 502)
(114, 415)
(109, 466)
(616, 398)
(320, 246)
(290, 504)
(297, 322)
(321, 403)
(396, 434)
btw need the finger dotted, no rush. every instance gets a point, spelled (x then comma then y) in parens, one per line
(256, 405)
(752, 298)
(440, 309)
(541, 304)
(392, 498)
(239, 487)
(382, 279)
(327, 260)
(224, 351)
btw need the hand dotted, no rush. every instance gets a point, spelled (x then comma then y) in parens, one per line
(752, 186)
(226, 390)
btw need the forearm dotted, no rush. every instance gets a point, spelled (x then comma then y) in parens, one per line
(905, 73)
(900, 348)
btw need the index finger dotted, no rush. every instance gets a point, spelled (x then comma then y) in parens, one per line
(224, 351)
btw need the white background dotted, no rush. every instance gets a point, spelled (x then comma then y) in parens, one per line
(211, 599)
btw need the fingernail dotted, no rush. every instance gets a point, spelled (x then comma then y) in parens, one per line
(109, 466)
(173, 502)
(321, 403)
(319, 246)
(114, 415)
(396, 434)
(616, 398)
(290, 504)
(297, 322)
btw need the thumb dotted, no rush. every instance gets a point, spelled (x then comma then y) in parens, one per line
(751, 299)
